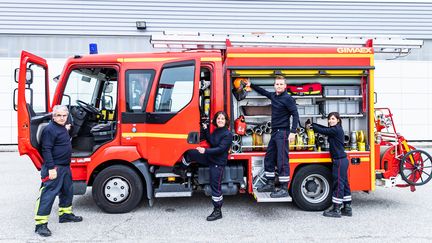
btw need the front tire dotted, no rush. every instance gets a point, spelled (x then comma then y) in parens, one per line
(311, 188)
(117, 189)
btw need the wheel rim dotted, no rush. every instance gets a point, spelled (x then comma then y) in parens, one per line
(116, 189)
(315, 188)
(416, 167)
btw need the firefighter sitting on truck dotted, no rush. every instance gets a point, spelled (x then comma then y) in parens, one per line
(55, 172)
(283, 106)
(341, 187)
(215, 158)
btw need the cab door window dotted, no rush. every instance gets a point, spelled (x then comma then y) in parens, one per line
(36, 93)
(175, 88)
(138, 83)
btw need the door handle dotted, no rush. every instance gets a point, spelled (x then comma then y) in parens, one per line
(193, 138)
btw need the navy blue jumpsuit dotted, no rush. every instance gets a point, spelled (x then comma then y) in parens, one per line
(215, 158)
(56, 153)
(341, 187)
(283, 107)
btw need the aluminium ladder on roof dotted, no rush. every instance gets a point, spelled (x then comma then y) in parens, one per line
(204, 40)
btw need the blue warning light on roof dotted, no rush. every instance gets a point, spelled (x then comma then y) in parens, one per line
(93, 48)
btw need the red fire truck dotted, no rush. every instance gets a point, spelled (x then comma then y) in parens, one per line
(134, 115)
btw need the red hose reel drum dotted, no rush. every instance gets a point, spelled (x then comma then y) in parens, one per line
(389, 162)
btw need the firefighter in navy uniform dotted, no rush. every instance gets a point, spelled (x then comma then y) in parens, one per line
(215, 157)
(55, 173)
(341, 187)
(283, 107)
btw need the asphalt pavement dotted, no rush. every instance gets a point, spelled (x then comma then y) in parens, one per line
(384, 215)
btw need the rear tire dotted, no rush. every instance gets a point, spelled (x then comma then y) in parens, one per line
(311, 188)
(117, 189)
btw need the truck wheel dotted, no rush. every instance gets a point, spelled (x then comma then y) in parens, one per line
(416, 167)
(117, 189)
(310, 189)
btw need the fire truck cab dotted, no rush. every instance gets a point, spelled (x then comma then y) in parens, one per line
(134, 115)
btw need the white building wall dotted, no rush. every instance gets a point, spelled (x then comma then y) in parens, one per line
(406, 88)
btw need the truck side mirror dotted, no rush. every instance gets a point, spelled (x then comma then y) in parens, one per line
(108, 88)
(107, 102)
(29, 75)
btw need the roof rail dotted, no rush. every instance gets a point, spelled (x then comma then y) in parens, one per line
(204, 40)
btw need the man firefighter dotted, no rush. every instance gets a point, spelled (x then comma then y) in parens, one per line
(283, 106)
(55, 173)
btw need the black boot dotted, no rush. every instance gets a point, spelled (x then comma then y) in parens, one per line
(215, 215)
(334, 212)
(268, 187)
(346, 210)
(42, 230)
(69, 217)
(282, 192)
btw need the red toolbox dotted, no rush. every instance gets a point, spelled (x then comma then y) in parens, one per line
(305, 89)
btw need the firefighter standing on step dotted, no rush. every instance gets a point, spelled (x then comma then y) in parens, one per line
(341, 188)
(283, 106)
(215, 158)
(55, 173)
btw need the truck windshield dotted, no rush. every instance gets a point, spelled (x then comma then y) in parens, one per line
(81, 85)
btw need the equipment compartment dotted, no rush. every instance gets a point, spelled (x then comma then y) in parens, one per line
(341, 91)
(344, 107)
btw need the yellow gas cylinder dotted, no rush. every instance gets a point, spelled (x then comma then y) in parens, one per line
(299, 142)
(361, 146)
(207, 106)
(207, 92)
(360, 136)
(311, 138)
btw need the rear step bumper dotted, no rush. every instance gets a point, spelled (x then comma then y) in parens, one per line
(265, 197)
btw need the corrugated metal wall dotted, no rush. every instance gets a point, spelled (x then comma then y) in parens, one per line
(75, 17)
(58, 29)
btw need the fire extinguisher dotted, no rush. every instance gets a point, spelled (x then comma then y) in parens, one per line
(240, 125)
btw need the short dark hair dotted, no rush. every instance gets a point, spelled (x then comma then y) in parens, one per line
(227, 120)
(337, 115)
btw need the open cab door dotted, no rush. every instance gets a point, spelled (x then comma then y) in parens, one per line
(32, 104)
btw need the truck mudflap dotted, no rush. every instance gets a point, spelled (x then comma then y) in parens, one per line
(143, 167)
(79, 187)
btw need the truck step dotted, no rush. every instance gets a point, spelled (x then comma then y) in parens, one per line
(173, 190)
(168, 174)
(164, 172)
(173, 194)
(265, 197)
